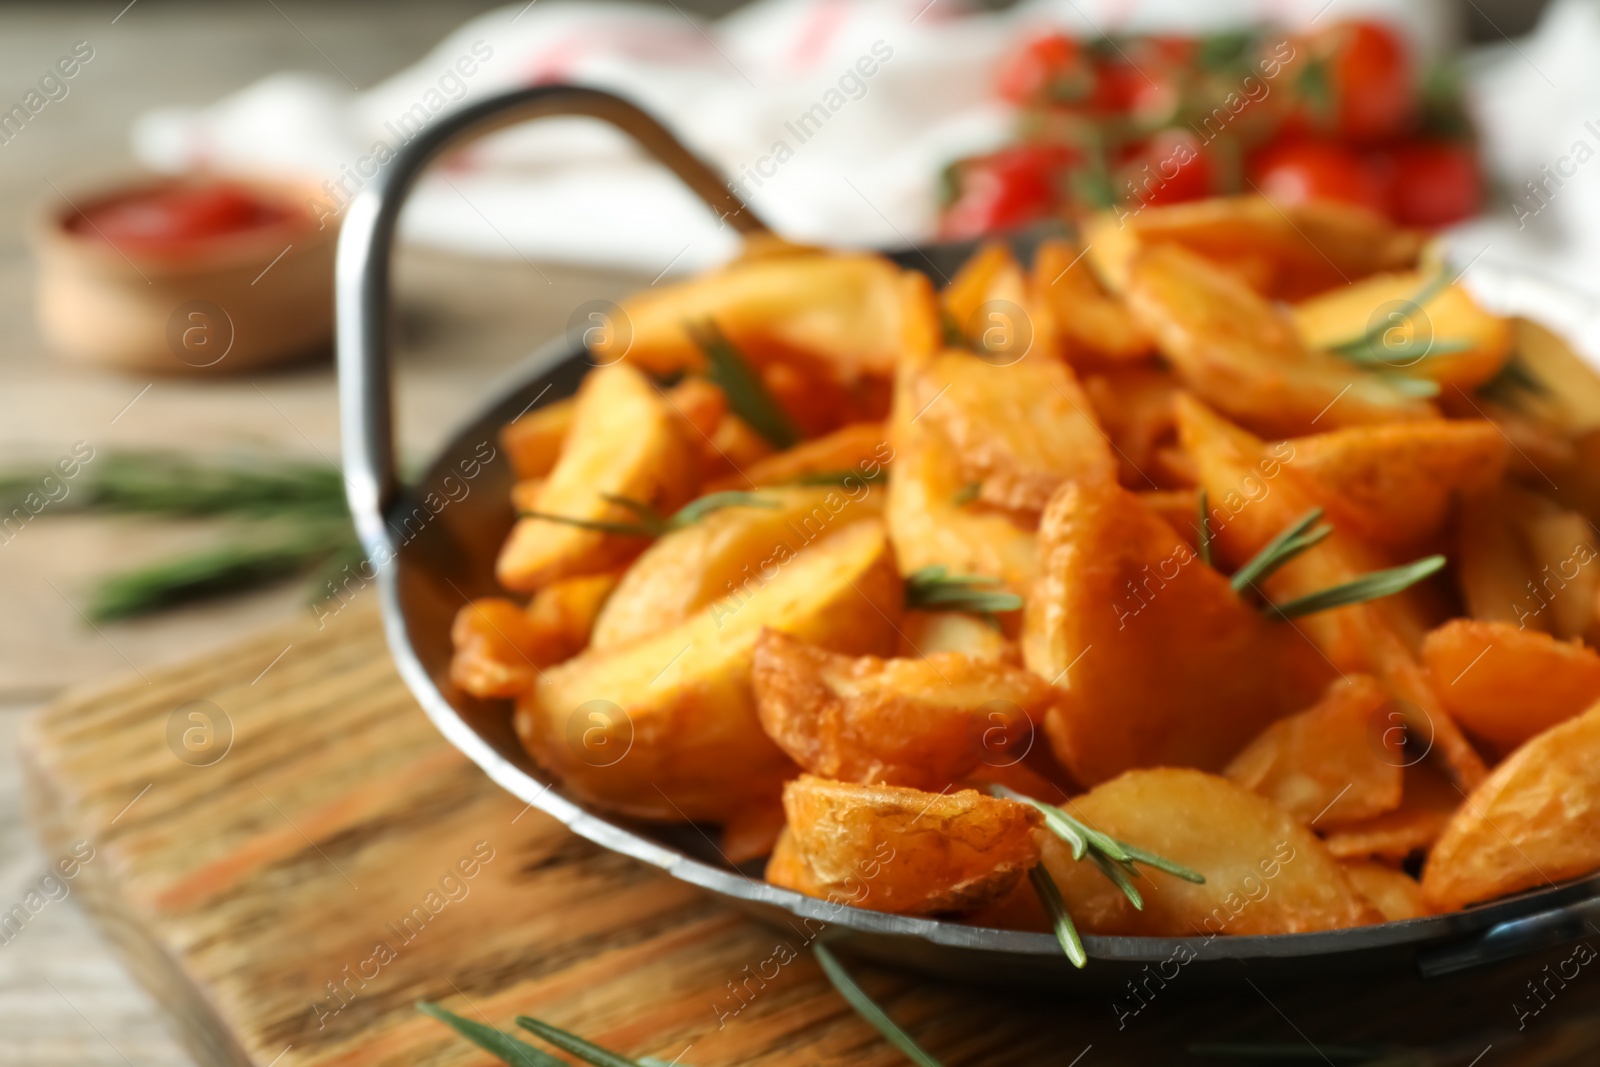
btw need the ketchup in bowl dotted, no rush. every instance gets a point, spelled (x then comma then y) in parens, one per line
(179, 218)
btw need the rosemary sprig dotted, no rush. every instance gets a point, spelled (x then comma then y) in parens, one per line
(934, 587)
(1060, 919)
(1206, 536)
(747, 394)
(869, 1010)
(1291, 542)
(1368, 338)
(1372, 586)
(587, 1051)
(509, 1050)
(842, 476)
(1514, 383)
(651, 523)
(967, 494)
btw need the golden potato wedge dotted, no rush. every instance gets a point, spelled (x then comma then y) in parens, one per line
(861, 446)
(753, 832)
(1395, 486)
(988, 304)
(1324, 765)
(1179, 509)
(1427, 801)
(498, 652)
(1018, 430)
(928, 633)
(732, 447)
(922, 723)
(1492, 566)
(725, 557)
(1158, 661)
(1395, 893)
(1507, 684)
(901, 850)
(702, 406)
(1387, 300)
(1285, 252)
(1534, 822)
(1241, 354)
(567, 610)
(1570, 394)
(844, 310)
(1563, 582)
(525, 494)
(533, 441)
(1135, 407)
(625, 440)
(927, 521)
(1265, 872)
(666, 728)
(1090, 327)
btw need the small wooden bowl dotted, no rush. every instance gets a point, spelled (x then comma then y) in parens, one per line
(225, 304)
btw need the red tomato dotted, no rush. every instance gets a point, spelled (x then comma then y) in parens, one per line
(1370, 75)
(1122, 88)
(1298, 170)
(172, 217)
(1170, 167)
(1435, 182)
(1047, 69)
(1007, 189)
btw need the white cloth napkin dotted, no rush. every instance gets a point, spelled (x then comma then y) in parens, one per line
(895, 89)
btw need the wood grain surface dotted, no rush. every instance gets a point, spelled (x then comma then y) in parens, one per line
(291, 871)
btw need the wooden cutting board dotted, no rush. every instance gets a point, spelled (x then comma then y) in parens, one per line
(289, 856)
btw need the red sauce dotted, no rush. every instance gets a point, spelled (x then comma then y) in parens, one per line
(178, 218)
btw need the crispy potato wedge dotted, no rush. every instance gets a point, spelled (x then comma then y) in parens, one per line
(625, 440)
(666, 728)
(988, 304)
(568, 609)
(1570, 397)
(1452, 315)
(901, 850)
(1492, 565)
(928, 633)
(1252, 500)
(525, 494)
(923, 723)
(1395, 893)
(1325, 765)
(1265, 872)
(1135, 407)
(753, 832)
(1534, 822)
(1241, 354)
(498, 652)
(1427, 801)
(1091, 328)
(1561, 547)
(861, 446)
(726, 557)
(1287, 252)
(1507, 684)
(533, 441)
(1179, 509)
(1395, 486)
(1018, 430)
(844, 310)
(1158, 661)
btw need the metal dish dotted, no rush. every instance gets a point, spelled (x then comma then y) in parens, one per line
(434, 556)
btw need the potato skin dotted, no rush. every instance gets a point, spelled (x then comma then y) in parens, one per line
(665, 728)
(1158, 661)
(1395, 893)
(1323, 765)
(922, 723)
(1265, 872)
(498, 652)
(1506, 683)
(901, 850)
(1534, 821)
(1427, 800)
(925, 633)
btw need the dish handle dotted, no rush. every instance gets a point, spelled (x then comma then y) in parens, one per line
(1514, 937)
(362, 273)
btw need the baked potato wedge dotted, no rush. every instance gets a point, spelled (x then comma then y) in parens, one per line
(1395, 893)
(1241, 354)
(1327, 765)
(533, 441)
(889, 848)
(1091, 328)
(498, 652)
(928, 633)
(1427, 800)
(1507, 684)
(861, 447)
(1158, 661)
(922, 723)
(727, 557)
(1535, 821)
(666, 728)
(1265, 873)
(625, 440)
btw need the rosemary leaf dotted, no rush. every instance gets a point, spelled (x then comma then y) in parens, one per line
(868, 1010)
(160, 483)
(622, 529)
(1372, 586)
(650, 523)
(1057, 820)
(967, 494)
(696, 510)
(1291, 542)
(747, 394)
(1117, 875)
(843, 476)
(1406, 385)
(648, 516)
(587, 1051)
(1399, 357)
(1161, 863)
(1205, 529)
(934, 587)
(1372, 336)
(1060, 918)
(503, 1046)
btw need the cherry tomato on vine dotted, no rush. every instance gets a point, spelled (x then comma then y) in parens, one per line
(1006, 189)
(1434, 183)
(1370, 76)
(1294, 171)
